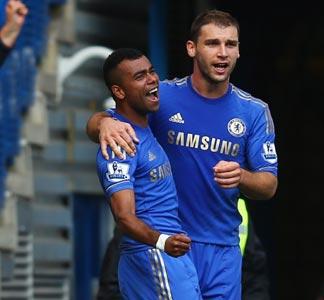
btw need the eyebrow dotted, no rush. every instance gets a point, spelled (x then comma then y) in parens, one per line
(218, 40)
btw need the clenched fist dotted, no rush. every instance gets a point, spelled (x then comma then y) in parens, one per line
(177, 245)
(227, 174)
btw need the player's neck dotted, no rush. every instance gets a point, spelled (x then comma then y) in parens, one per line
(207, 88)
(133, 116)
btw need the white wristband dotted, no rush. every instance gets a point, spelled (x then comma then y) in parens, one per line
(161, 241)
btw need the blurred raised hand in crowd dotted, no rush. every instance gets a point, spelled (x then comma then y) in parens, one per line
(16, 13)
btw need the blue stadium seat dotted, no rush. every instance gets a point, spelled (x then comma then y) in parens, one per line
(2, 11)
(12, 116)
(26, 78)
(57, 2)
(17, 78)
(34, 31)
(2, 156)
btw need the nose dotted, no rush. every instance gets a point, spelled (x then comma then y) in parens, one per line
(152, 78)
(222, 51)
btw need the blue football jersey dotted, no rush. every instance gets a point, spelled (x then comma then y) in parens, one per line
(196, 133)
(149, 174)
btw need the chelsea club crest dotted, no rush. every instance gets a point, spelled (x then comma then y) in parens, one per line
(236, 127)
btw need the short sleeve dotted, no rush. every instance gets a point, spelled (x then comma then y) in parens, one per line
(261, 151)
(115, 174)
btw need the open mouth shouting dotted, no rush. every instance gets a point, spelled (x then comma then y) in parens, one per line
(220, 68)
(153, 94)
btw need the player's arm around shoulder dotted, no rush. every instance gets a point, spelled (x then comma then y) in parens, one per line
(109, 132)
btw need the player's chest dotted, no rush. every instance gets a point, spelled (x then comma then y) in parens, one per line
(152, 160)
(179, 119)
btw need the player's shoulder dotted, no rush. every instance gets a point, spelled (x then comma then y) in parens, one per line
(101, 162)
(247, 99)
(174, 83)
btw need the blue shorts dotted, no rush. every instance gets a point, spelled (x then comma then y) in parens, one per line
(152, 275)
(219, 270)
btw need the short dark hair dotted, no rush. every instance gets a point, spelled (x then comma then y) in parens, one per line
(214, 16)
(114, 59)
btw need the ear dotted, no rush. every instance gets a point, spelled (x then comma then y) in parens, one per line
(191, 48)
(118, 92)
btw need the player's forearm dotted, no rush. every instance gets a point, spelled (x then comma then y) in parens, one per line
(93, 125)
(258, 185)
(9, 34)
(137, 229)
